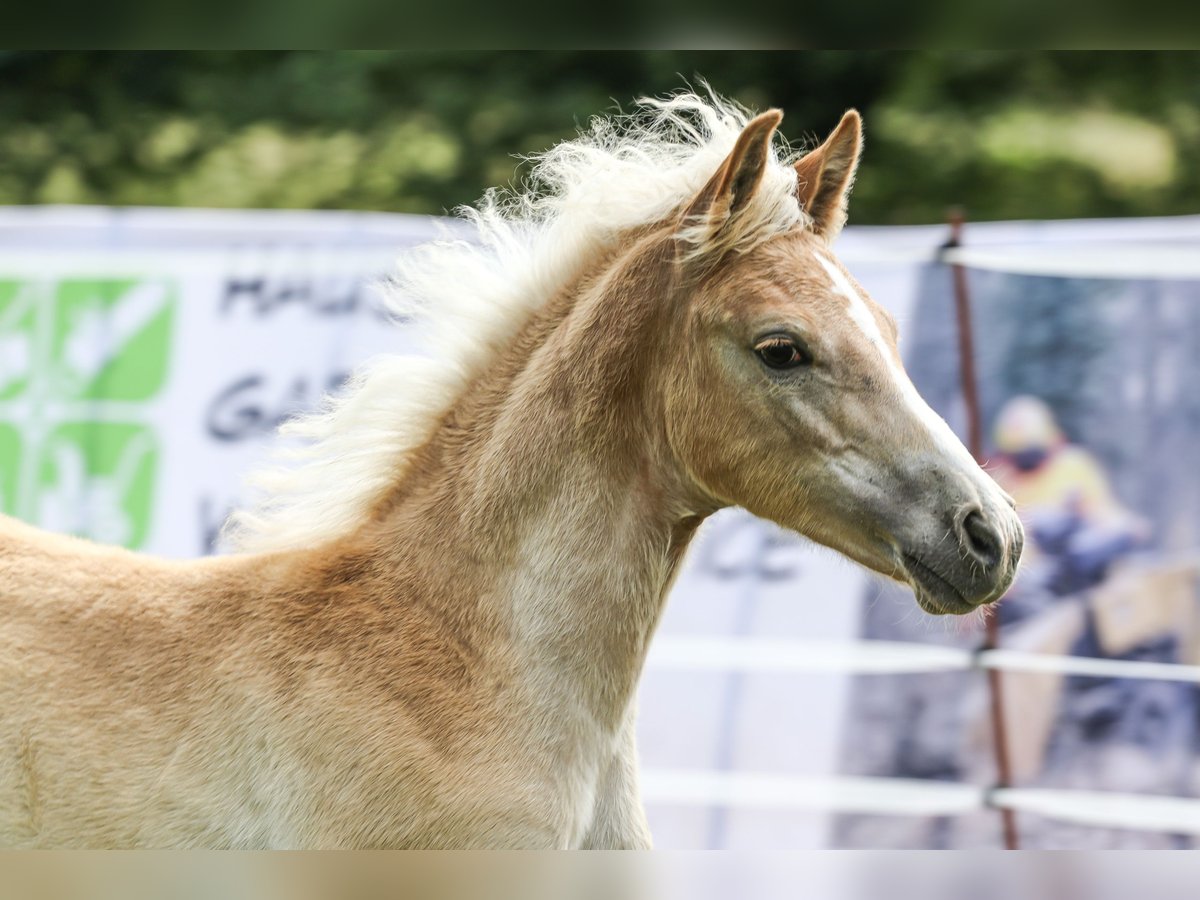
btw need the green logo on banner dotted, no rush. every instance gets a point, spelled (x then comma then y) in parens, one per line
(97, 479)
(110, 339)
(77, 357)
(10, 465)
(17, 317)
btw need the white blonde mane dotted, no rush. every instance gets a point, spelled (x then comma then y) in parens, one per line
(472, 296)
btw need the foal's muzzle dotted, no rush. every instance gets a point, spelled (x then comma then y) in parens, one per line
(972, 564)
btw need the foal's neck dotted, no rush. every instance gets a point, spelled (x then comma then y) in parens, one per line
(553, 490)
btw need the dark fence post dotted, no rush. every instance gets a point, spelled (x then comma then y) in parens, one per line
(991, 637)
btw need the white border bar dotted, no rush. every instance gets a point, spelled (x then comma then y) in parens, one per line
(888, 796)
(888, 657)
(909, 797)
(1141, 812)
(1018, 661)
(799, 655)
(1122, 261)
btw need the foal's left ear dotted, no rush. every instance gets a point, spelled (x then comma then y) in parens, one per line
(739, 176)
(825, 175)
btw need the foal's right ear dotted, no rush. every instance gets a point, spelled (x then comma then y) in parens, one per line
(730, 189)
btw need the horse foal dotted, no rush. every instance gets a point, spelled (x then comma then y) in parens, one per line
(433, 630)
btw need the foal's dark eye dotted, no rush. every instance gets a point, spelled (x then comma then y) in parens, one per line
(782, 351)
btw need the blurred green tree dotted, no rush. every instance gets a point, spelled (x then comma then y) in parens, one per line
(1032, 134)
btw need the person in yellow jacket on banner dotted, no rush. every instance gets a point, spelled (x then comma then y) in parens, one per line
(1078, 525)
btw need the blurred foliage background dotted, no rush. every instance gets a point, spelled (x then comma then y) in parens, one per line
(1008, 134)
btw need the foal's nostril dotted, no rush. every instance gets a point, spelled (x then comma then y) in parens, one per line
(982, 539)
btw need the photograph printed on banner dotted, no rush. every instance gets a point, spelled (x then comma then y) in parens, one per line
(1091, 417)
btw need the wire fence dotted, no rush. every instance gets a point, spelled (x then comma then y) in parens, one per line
(899, 796)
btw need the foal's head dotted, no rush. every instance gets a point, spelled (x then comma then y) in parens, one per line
(789, 397)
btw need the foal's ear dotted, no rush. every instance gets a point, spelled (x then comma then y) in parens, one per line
(825, 175)
(739, 176)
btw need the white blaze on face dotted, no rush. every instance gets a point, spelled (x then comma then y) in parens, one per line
(941, 433)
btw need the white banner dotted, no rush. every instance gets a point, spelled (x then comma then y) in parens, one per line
(146, 357)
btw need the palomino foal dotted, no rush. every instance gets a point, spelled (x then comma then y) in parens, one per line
(434, 631)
